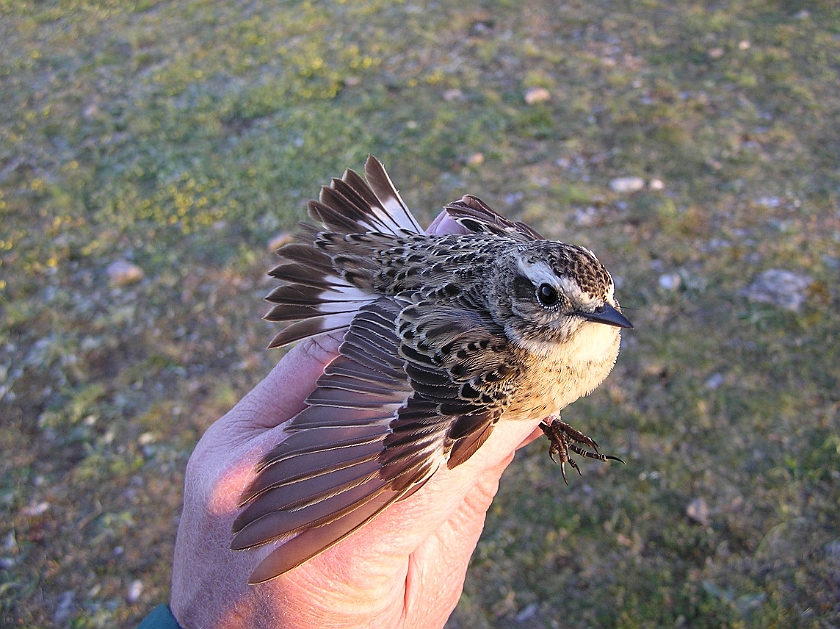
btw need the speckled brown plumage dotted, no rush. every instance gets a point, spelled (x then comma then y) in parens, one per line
(444, 335)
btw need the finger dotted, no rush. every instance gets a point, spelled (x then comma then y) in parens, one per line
(437, 568)
(384, 542)
(535, 434)
(232, 445)
(280, 396)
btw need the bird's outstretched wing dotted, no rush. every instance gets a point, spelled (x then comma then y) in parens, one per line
(476, 216)
(384, 417)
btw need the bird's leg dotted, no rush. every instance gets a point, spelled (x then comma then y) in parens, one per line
(564, 438)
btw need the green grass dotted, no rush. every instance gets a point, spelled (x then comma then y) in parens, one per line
(182, 136)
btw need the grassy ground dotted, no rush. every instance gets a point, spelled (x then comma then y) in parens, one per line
(183, 136)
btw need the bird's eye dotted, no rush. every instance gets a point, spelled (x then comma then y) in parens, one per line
(547, 295)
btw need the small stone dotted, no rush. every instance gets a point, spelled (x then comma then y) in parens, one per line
(134, 591)
(656, 184)
(279, 240)
(715, 53)
(123, 273)
(780, 288)
(35, 510)
(64, 607)
(698, 511)
(529, 612)
(627, 184)
(769, 202)
(453, 94)
(714, 381)
(670, 281)
(476, 159)
(537, 95)
(513, 198)
(10, 542)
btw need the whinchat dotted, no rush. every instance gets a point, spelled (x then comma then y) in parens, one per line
(444, 336)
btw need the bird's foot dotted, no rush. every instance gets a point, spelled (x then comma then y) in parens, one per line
(564, 438)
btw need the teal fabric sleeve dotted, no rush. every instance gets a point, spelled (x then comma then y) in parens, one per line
(160, 618)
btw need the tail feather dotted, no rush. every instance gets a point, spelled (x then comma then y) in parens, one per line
(297, 273)
(310, 327)
(306, 254)
(393, 206)
(295, 294)
(351, 205)
(326, 276)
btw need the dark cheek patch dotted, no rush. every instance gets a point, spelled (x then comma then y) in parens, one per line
(523, 288)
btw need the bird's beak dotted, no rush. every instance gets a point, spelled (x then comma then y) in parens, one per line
(608, 315)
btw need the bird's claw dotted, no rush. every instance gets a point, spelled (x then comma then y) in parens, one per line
(564, 438)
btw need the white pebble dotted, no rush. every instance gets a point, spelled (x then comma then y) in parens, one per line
(134, 591)
(780, 288)
(627, 184)
(698, 511)
(670, 281)
(714, 381)
(123, 272)
(537, 95)
(36, 509)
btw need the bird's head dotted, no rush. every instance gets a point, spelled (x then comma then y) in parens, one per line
(559, 294)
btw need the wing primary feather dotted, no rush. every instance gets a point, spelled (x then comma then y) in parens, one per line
(279, 524)
(308, 491)
(324, 416)
(325, 396)
(313, 541)
(464, 448)
(351, 370)
(291, 470)
(327, 438)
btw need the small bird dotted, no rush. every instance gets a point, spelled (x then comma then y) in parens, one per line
(444, 336)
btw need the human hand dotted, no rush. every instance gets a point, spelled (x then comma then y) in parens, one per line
(405, 568)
